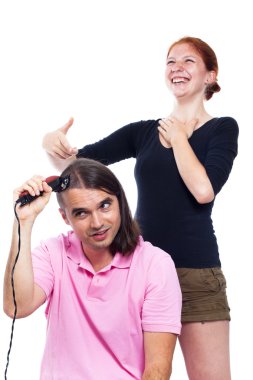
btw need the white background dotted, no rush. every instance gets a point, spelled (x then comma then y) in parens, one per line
(102, 62)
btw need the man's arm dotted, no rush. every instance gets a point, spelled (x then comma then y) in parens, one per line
(29, 296)
(161, 316)
(158, 348)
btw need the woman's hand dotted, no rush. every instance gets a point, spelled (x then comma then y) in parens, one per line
(171, 129)
(56, 143)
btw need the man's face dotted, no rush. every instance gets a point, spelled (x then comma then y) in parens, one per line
(94, 216)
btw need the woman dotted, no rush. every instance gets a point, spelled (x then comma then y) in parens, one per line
(182, 162)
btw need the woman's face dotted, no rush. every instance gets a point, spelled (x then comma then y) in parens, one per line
(186, 74)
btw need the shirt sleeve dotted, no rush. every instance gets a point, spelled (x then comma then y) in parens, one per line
(163, 299)
(222, 150)
(119, 145)
(42, 269)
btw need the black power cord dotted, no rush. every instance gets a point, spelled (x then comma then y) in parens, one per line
(13, 293)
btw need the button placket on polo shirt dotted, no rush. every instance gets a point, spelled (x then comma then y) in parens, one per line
(98, 284)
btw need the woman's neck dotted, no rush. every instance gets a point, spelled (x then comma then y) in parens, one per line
(185, 112)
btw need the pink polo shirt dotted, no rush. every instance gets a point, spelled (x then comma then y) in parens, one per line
(96, 320)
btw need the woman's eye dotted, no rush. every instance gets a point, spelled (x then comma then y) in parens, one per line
(169, 62)
(189, 60)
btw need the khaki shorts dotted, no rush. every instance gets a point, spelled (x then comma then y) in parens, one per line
(204, 295)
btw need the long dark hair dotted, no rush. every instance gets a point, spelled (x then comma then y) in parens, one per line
(92, 174)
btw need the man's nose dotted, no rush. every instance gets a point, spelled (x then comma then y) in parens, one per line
(96, 220)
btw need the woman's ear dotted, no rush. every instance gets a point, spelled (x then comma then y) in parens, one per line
(211, 77)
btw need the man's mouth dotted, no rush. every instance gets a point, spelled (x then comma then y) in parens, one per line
(100, 233)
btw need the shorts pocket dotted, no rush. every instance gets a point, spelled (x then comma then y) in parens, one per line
(213, 279)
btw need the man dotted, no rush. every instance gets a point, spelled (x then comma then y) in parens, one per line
(113, 300)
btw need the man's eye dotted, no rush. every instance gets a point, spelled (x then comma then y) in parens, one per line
(105, 205)
(80, 214)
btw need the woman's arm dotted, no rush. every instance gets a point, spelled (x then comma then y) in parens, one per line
(192, 171)
(117, 146)
(203, 180)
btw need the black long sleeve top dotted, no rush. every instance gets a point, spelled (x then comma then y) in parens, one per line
(168, 214)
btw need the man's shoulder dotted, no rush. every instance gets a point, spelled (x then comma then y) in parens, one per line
(64, 242)
(62, 238)
(149, 253)
(152, 265)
